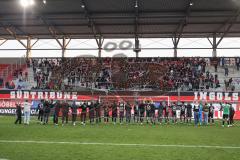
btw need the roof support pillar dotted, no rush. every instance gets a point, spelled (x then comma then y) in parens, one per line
(100, 44)
(175, 41)
(63, 45)
(137, 48)
(214, 45)
(175, 54)
(29, 48)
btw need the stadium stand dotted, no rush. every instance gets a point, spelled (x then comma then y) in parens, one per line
(167, 74)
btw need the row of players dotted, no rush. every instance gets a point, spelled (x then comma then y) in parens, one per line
(202, 112)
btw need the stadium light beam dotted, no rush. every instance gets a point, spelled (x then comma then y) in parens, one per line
(27, 3)
(44, 1)
(136, 4)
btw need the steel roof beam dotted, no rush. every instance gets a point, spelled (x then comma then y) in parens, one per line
(229, 25)
(179, 31)
(66, 39)
(95, 30)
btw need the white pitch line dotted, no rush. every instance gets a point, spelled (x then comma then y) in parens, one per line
(123, 144)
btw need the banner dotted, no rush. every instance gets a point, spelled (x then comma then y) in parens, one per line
(9, 98)
(88, 95)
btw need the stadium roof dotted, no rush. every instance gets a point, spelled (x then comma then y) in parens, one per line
(120, 18)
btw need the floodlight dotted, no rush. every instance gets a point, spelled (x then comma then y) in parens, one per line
(27, 3)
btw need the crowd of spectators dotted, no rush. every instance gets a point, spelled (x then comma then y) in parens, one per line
(167, 74)
(42, 70)
(17, 77)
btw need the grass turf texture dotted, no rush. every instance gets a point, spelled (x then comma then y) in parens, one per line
(125, 134)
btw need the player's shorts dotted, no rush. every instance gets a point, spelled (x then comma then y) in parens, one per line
(174, 113)
(141, 114)
(121, 114)
(148, 114)
(225, 116)
(136, 113)
(166, 114)
(182, 113)
(189, 114)
(114, 114)
(210, 115)
(160, 114)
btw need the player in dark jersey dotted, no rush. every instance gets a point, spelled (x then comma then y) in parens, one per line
(205, 113)
(91, 112)
(128, 109)
(83, 113)
(211, 113)
(74, 109)
(189, 112)
(231, 115)
(46, 113)
(114, 112)
(153, 116)
(56, 112)
(106, 113)
(121, 111)
(174, 113)
(160, 112)
(182, 113)
(148, 112)
(136, 113)
(97, 107)
(166, 113)
(65, 110)
(18, 113)
(141, 111)
(40, 111)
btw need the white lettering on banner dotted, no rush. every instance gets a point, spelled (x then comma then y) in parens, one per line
(40, 95)
(74, 95)
(26, 95)
(195, 95)
(203, 95)
(12, 111)
(212, 96)
(235, 97)
(59, 95)
(43, 95)
(46, 95)
(52, 95)
(216, 96)
(12, 95)
(33, 94)
(227, 98)
(67, 95)
(219, 96)
(19, 94)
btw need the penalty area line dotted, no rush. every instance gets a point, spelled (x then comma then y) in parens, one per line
(123, 144)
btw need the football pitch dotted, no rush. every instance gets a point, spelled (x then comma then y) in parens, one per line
(117, 142)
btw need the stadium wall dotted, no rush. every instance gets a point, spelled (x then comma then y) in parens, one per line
(8, 98)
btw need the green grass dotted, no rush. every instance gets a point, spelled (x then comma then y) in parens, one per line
(124, 134)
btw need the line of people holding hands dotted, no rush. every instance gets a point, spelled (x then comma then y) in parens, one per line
(124, 111)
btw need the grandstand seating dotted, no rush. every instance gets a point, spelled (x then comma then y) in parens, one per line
(131, 73)
(167, 74)
(11, 74)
